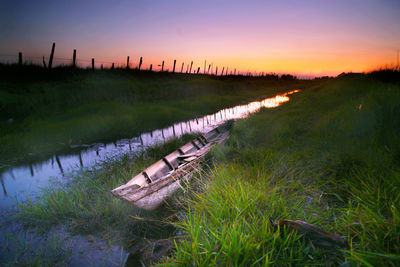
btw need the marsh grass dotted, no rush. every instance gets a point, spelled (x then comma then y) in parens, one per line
(42, 112)
(329, 157)
(50, 252)
(87, 207)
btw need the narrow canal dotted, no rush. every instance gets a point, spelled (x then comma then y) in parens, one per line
(22, 182)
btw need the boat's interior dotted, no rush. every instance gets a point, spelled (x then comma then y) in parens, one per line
(173, 161)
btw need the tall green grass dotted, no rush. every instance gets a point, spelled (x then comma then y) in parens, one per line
(43, 112)
(328, 157)
(86, 206)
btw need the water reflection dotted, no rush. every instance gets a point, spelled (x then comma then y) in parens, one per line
(20, 182)
(4, 187)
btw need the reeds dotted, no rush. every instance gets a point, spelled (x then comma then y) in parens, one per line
(86, 206)
(50, 111)
(319, 158)
(329, 157)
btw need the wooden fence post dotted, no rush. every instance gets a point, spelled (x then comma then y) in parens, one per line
(20, 59)
(44, 63)
(173, 70)
(162, 66)
(234, 73)
(151, 67)
(74, 59)
(92, 63)
(191, 64)
(140, 62)
(226, 72)
(101, 66)
(183, 63)
(209, 66)
(52, 55)
(205, 64)
(222, 73)
(127, 62)
(112, 66)
(216, 70)
(198, 70)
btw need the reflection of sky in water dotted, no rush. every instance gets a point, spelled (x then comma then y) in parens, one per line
(20, 182)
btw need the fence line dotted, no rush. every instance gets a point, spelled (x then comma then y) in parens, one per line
(93, 63)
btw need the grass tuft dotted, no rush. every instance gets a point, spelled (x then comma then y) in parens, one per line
(86, 205)
(329, 157)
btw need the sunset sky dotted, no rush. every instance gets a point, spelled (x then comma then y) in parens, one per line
(298, 37)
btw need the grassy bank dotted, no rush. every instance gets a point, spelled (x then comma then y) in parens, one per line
(44, 112)
(86, 205)
(329, 157)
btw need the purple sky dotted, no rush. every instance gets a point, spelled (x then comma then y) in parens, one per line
(301, 37)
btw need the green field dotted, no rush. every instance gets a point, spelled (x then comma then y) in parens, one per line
(329, 157)
(44, 112)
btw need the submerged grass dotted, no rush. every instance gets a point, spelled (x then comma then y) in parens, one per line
(329, 157)
(87, 207)
(50, 252)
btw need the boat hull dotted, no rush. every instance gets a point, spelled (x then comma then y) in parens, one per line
(148, 189)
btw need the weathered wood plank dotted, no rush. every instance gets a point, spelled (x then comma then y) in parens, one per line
(157, 181)
(145, 191)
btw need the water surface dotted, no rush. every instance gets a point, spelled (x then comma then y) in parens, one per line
(21, 182)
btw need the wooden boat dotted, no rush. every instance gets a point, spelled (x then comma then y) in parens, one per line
(148, 189)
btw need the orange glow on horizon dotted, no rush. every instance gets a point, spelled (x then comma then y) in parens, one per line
(313, 38)
(299, 63)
